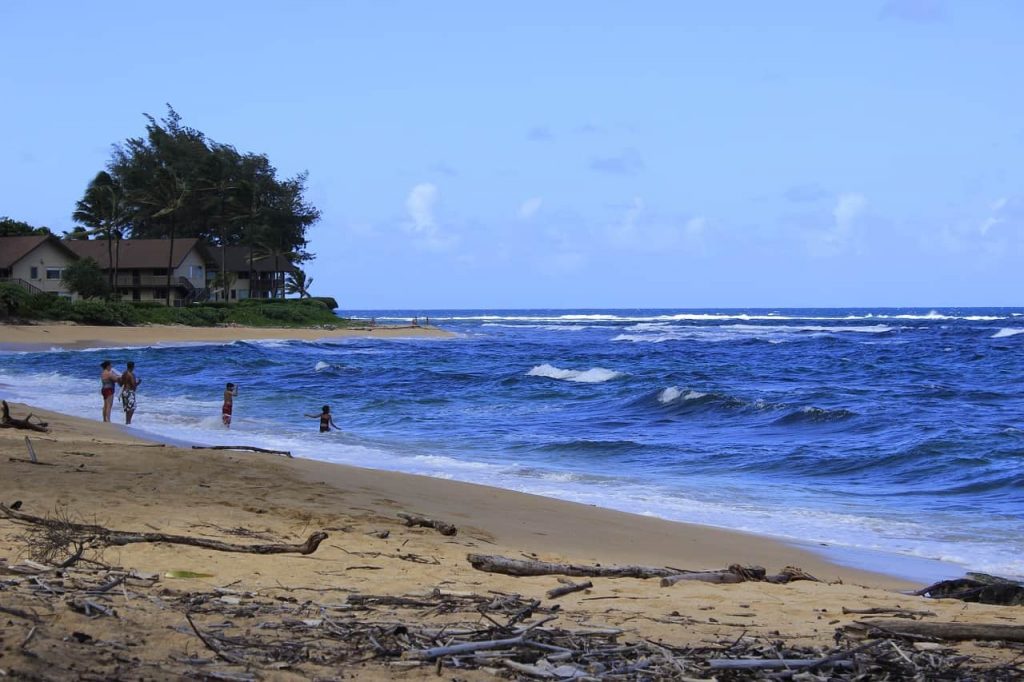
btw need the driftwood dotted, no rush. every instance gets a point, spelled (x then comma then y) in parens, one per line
(770, 663)
(977, 587)
(943, 631)
(523, 567)
(250, 448)
(9, 422)
(568, 588)
(100, 536)
(441, 527)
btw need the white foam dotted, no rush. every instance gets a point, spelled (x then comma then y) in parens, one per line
(594, 375)
(1007, 331)
(669, 394)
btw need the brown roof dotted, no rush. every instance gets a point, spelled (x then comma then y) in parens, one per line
(238, 260)
(13, 249)
(137, 253)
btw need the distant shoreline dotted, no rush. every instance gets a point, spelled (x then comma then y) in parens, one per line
(75, 336)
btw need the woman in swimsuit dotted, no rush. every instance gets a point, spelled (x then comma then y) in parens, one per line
(108, 379)
(326, 421)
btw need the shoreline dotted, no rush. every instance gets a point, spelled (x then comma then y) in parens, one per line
(106, 475)
(29, 337)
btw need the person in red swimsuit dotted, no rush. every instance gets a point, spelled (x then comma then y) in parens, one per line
(225, 412)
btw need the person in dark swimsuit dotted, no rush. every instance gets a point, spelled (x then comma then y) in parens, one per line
(108, 380)
(326, 421)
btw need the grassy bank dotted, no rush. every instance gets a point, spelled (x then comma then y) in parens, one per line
(310, 312)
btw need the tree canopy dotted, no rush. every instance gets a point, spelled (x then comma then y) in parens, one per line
(174, 181)
(9, 227)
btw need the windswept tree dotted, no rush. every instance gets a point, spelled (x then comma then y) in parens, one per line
(103, 210)
(298, 283)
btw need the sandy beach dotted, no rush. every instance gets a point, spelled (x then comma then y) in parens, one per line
(97, 473)
(13, 336)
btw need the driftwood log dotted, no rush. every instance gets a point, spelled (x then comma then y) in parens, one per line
(106, 537)
(942, 631)
(250, 448)
(978, 587)
(9, 422)
(529, 567)
(442, 527)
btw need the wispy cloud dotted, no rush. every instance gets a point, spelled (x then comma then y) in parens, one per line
(917, 11)
(444, 169)
(627, 162)
(529, 208)
(805, 193)
(639, 229)
(540, 134)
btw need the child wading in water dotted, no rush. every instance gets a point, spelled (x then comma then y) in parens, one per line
(230, 391)
(326, 421)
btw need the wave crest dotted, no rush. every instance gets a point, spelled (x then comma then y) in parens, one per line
(594, 375)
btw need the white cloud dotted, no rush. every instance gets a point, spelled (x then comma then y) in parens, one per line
(641, 230)
(996, 216)
(421, 205)
(529, 208)
(842, 233)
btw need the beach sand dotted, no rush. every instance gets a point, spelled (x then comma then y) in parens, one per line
(100, 474)
(27, 337)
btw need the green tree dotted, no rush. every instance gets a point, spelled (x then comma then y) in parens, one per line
(85, 278)
(9, 227)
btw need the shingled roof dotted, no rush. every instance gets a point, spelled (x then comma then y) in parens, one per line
(13, 249)
(138, 253)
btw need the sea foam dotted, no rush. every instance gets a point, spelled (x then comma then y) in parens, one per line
(594, 375)
(1007, 331)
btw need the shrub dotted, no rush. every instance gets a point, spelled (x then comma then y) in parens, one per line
(12, 298)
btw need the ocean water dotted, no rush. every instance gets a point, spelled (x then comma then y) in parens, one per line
(890, 436)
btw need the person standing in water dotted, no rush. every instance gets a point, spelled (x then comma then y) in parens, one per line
(129, 382)
(108, 380)
(326, 420)
(230, 391)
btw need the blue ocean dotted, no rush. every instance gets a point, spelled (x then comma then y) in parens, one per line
(886, 438)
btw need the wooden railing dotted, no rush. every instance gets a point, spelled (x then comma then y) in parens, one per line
(24, 284)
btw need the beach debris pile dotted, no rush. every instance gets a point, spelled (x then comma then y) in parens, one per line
(978, 587)
(229, 633)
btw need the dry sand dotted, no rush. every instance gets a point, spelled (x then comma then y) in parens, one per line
(100, 474)
(15, 336)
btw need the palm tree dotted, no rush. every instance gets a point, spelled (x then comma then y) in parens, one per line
(165, 195)
(298, 283)
(103, 209)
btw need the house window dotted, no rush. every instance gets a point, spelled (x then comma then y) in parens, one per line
(195, 272)
(243, 275)
(53, 273)
(33, 273)
(234, 294)
(159, 272)
(160, 293)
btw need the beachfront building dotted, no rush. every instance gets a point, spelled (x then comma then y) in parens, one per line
(141, 266)
(36, 263)
(250, 275)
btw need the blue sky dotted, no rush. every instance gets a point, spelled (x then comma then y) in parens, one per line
(568, 154)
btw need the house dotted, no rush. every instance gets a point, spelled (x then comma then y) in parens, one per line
(35, 263)
(142, 267)
(267, 274)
